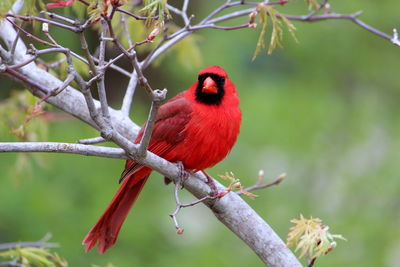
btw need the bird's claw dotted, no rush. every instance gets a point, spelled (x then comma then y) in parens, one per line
(210, 182)
(182, 176)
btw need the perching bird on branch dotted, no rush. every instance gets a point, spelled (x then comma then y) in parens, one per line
(198, 127)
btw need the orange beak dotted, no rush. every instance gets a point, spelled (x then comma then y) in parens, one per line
(209, 86)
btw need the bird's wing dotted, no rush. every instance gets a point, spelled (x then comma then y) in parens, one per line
(168, 130)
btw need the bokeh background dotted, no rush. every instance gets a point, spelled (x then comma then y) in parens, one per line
(324, 110)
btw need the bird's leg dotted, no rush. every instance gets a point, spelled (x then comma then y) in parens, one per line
(210, 182)
(183, 174)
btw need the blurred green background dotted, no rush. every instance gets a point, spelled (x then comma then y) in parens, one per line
(325, 111)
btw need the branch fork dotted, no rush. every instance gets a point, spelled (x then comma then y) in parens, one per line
(395, 40)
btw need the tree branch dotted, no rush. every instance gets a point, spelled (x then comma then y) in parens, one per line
(351, 17)
(128, 97)
(157, 97)
(68, 148)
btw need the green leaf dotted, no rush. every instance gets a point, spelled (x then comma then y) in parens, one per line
(261, 39)
(311, 237)
(277, 32)
(31, 256)
(291, 28)
(154, 8)
(268, 12)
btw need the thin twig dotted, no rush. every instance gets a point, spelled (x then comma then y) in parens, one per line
(133, 15)
(36, 53)
(30, 35)
(258, 184)
(14, 45)
(158, 97)
(181, 12)
(352, 17)
(26, 18)
(61, 18)
(134, 61)
(44, 20)
(128, 35)
(48, 35)
(54, 64)
(110, 64)
(100, 83)
(306, 18)
(85, 48)
(179, 206)
(213, 26)
(321, 6)
(129, 93)
(59, 89)
(185, 6)
(104, 121)
(92, 141)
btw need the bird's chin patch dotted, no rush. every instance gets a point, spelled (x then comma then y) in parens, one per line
(210, 90)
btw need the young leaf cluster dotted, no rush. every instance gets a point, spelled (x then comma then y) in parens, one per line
(311, 237)
(269, 13)
(153, 8)
(34, 257)
(234, 184)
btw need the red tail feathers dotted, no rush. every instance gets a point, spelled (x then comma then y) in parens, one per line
(106, 230)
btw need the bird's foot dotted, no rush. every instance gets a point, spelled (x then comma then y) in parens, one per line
(182, 176)
(210, 182)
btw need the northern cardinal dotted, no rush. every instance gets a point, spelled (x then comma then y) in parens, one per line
(198, 127)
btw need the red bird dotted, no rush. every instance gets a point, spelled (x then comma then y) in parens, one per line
(198, 127)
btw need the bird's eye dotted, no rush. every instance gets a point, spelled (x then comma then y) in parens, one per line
(222, 79)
